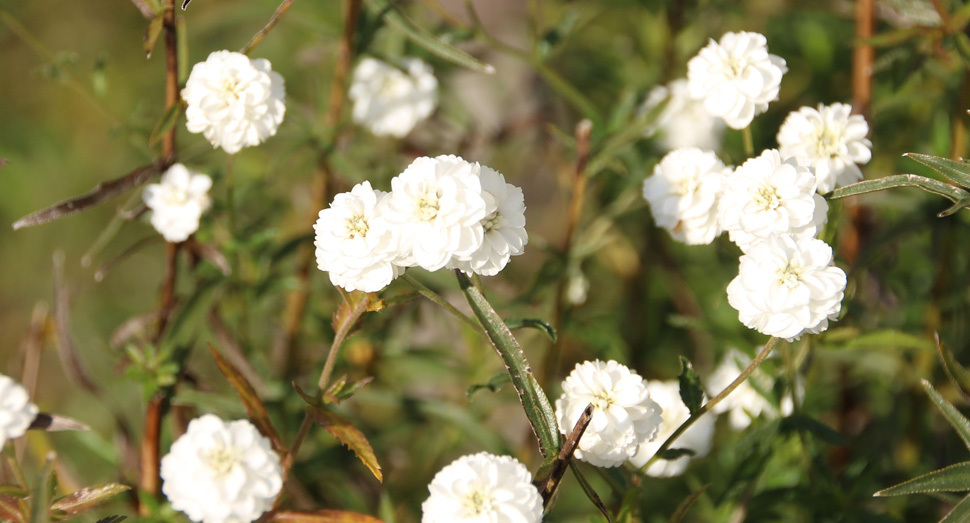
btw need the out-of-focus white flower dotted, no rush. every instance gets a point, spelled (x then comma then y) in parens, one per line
(683, 122)
(435, 211)
(696, 438)
(577, 287)
(219, 472)
(177, 202)
(767, 196)
(353, 242)
(234, 101)
(787, 286)
(683, 193)
(736, 77)
(624, 416)
(504, 226)
(483, 488)
(745, 402)
(391, 101)
(831, 139)
(16, 410)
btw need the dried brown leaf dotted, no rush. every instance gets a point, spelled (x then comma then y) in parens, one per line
(345, 431)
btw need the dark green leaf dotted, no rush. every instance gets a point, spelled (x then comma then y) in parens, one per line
(672, 454)
(112, 519)
(957, 420)
(953, 193)
(533, 399)
(254, 406)
(165, 123)
(955, 478)
(685, 505)
(345, 431)
(956, 172)
(424, 38)
(815, 428)
(960, 513)
(590, 493)
(519, 323)
(958, 373)
(691, 389)
(310, 400)
(151, 35)
(494, 384)
(87, 498)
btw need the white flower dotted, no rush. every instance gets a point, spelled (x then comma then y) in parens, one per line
(696, 438)
(16, 410)
(233, 101)
(683, 193)
(435, 210)
(353, 242)
(504, 226)
(624, 416)
(219, 472)
(178, 202)
(683, 122)
(767, 196)
(745, 402)
(787, 286)
(830, 139)
(483, 488)
(389, 101)
(736, 77)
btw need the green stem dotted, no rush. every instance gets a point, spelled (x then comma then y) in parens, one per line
(443, 303)
(230, 194)
(714, 401)
(748, 141)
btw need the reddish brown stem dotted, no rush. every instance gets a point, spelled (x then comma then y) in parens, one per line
(149, 481)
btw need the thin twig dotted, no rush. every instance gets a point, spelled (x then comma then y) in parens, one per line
(258, 37)
(713, 401)
(440, 301)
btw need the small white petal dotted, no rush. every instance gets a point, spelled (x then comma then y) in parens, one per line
(177, 202)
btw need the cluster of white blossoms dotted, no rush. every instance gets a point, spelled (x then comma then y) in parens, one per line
(736, 78)
(831, 139)
(697, 438)
(624, 415)
(745, 402)
(442, 212)
(684, 192)
(177, 202)
(483, 488)
(234, 101)
(219, 472)
(389, 100)
(16, 410)
(683, 121)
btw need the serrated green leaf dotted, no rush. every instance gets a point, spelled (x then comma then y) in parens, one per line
(955, 478)
(81, 501)
(691, 389)
(152, 33)
(956, 172)
(345, 432)
(958, 373)
(957, 420)
(494, 384)
(960, 512)
(396, 19)
(519, 323)
(533, 399)
(929, 185)
(685, 505)
(254, 405)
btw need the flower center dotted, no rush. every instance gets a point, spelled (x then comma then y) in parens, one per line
(684, 186)
(478, 503)
(492, 221)
(221, 460)
(602, 399)
(391, 84)
(230, 90)
(828, 142)
(428, 205)
(357, 226)
(767, 197)
(791, 275)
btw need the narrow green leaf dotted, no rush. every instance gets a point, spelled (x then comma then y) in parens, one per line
(112, 519)
(960, 513)
(250, 400)
(955, 478)
(628, 507)
(494, 384)
(519, 323)
(963, 45)
(85, 499)
(396, 18)
(533, 399)
(310, 400)
(152, 34)
(672, 454)
(345, 432)
(893, 38)
(956, 172)
(887, 339)
(957, 420)
(40, 494)
(685, 505)
(349, 390)
(691, 389)
(962, 203)
(590, 493)
(958, 373)
(930, 185)
(323, 516)
(165, 123)
(815, 428)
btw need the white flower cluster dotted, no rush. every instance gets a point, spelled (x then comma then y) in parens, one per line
(831, 139)
(16, 410)
(697, 438)
(624, 415)
(442, 212)
(391, 101)
(234, 101)
(684, 194)
(745, 402)
(483, 488)
(219, 472)
(177, 203)
(683, 121)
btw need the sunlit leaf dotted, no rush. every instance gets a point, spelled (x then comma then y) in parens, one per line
(691, 389)
(930, 185)
(349, 435)
(685, 505)
(519, 323)
(956, 171)
(254, 406)
(87, 498)
(957, 420)
(955, 478)
(324, 516)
